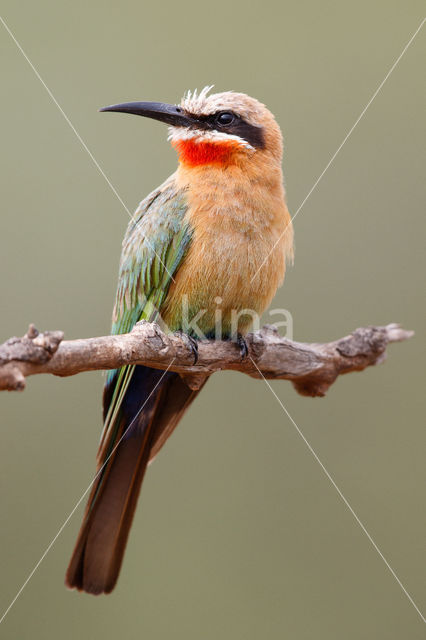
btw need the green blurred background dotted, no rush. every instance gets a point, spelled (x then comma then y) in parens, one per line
(239, 534)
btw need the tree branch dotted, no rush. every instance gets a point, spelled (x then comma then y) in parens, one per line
(312, 368)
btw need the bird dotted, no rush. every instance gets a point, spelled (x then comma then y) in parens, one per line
(216, 231)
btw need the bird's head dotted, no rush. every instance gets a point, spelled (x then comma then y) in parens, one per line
(219, 129)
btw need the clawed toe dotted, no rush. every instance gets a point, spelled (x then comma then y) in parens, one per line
(191, 343)
(244, 350)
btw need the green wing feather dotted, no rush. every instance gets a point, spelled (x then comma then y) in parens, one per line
(155, 243)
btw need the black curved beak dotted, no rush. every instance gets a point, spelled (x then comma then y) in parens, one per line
(168, 113)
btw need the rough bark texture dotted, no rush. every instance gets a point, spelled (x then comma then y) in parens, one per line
(312, 368)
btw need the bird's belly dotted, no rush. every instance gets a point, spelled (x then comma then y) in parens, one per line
(219, 286)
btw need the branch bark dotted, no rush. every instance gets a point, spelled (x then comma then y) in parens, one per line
(312, 368)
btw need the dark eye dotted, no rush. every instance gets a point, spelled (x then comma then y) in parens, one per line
(225, 118)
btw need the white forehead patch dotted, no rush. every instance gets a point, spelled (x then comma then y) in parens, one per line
(194, 101)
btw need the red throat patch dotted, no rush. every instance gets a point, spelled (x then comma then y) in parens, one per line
(198, 153)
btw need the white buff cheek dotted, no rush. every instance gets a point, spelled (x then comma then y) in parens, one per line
(178, 134)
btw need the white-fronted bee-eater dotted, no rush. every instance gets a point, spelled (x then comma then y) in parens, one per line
(217, 229)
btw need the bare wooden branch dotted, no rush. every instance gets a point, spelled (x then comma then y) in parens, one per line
(312, 368)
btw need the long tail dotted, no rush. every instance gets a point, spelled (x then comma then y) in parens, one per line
(137, 436)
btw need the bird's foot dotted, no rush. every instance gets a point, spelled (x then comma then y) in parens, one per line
(190, 342)
(242, 343)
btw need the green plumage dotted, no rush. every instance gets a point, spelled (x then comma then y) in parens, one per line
(153, 247)
(155, 243)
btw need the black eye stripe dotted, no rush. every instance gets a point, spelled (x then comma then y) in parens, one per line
(249, 132)
(238, 127)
